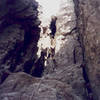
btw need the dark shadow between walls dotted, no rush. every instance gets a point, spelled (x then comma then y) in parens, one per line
(23, 55)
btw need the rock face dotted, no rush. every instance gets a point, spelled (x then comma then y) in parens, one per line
(29, 88)
(68, 46)
(65, 64)
(88, 13)
(19, 34)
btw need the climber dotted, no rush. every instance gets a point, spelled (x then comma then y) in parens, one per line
(53, 26)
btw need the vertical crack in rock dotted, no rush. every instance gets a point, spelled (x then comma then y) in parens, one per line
(87, 83)
(80, 39)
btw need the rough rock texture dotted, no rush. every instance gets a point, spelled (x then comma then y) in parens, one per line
(65, 64)
(26, 87)
(88, 14)
(72, 55)
(19, 34)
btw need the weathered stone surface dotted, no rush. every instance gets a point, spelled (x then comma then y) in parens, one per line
(19, 34)
(23, 7)
(66, 17)
(65, 64)
(22, 86)
(75, 41)
(88, 13)
(9, 38)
